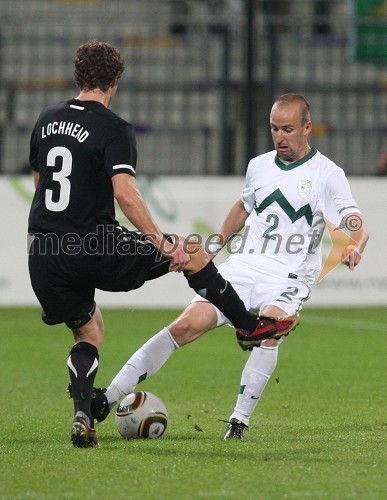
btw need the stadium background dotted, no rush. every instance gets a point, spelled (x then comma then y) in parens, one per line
(199, 82)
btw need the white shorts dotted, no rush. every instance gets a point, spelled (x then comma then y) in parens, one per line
(258, 290)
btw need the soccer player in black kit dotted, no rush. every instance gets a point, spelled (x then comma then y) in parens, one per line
(83, 157)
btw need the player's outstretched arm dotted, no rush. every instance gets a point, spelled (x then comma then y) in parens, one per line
(233, 223)
(136, 210)
(359, 235)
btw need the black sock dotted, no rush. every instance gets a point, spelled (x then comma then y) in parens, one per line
(83, 366)
(211, 285)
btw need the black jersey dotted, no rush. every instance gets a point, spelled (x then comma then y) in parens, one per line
(77, 146)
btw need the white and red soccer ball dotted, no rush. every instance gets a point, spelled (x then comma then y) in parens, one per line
(141, 415)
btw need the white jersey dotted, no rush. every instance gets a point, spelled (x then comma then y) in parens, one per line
(288, 206)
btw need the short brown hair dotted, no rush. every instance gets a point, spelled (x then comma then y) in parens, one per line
(97, 65)
(299, 99)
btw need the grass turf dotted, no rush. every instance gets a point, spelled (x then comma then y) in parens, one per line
(318, 431)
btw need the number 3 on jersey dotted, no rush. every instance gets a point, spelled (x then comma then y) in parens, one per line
(61, 177)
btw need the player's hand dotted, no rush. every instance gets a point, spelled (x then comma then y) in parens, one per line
(179, 257)
(351, 256)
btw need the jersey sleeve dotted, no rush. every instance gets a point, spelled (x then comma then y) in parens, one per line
(248, 195)
(339, 201)
(120, 153)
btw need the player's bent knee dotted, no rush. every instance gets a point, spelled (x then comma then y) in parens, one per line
(183, 331)
(92, 332)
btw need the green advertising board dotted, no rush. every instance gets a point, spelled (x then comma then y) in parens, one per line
(371, 30)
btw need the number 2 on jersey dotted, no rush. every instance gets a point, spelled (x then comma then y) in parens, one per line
(61, 177)
(275, 221)
(290, 292)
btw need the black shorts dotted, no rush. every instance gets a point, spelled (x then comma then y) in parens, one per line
(66, 270)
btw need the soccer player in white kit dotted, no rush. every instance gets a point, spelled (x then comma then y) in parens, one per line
(289, 195)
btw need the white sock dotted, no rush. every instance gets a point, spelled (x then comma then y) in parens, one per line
(256, 373)
(144, 363)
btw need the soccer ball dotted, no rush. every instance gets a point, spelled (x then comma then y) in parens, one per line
(141, 415)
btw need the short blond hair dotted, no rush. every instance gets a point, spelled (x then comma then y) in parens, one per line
(293, 98)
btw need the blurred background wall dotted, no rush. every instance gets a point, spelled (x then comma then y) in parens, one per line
(201, 75)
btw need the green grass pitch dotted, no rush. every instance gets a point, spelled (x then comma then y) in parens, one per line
(318, 431)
